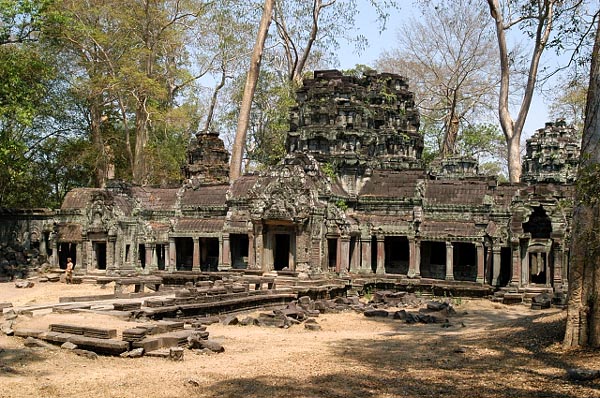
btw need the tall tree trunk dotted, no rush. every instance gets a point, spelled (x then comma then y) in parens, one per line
(95, 110)
(514, 158)
(141, 141)
(583, 310)
(513, 128)
(235, 168)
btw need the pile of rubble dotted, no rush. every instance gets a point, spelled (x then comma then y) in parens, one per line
(17, 261)
(165, 339)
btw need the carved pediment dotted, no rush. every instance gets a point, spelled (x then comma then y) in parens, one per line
(285, 192)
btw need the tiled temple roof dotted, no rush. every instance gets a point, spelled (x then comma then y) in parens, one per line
(384, 183)
(242, 186)
(69, 232)
(445, 192)
(213, 195)
(156, 198)
(199, 225)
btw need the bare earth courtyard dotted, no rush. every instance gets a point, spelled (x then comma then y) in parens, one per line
(491, 350)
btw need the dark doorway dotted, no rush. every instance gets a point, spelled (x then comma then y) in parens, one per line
(374, 254)
(396, 255)
(464, 260)
(209, 254)
(281, 252)
(66, 250)
(433, 260)
(239, 250)
(100, 254)
(184, 249)
(142, 255)
(332, 254)
(354, 251)
(538, 266)
(160, 256)
(505, 266)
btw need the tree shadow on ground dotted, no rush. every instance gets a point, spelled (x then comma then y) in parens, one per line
(508, 360)
(12, 359)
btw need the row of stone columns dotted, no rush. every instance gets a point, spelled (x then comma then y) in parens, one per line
(363, 246)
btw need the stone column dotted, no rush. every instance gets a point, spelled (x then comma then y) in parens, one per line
(110, 253)
(516, 263)
(196, 255)
(150, 257)
(414, 258)
(355, 260)
(251, 253)
(480, 263)
(344, 260)
(259, 245)
(496, 264)
(548, 273)
(365, 265)
(167, 257)
(54, 256)
(449, 261)
(225, 253)
(172, 255)
(380, 255)
(558, 267)
(87, 256)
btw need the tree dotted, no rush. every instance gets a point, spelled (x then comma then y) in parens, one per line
(235, 168)
(448, 55)
(538, 20)
(583, 310)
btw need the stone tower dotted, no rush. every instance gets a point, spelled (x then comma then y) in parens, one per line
(208, 160)
(552, 154)
(356, 124)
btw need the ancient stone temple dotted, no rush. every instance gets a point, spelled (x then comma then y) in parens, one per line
(350, 198)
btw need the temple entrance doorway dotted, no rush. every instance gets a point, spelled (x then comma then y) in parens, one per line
(239, 251)
(184, 249)
(464, 258)
(396, 255)
(66, 250)
(281, 252)
(433, 259)
(99, 255)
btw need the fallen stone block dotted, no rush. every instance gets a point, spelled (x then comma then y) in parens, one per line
(68, 346)
(176, 354)
(10, 315)
(374, 313)
(32, 342)
(7, 328)
(162, 353)
(24, 284)
(26, 332)
(230, 320)
(135, 353)
(85, 353)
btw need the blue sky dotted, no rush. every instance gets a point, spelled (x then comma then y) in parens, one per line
(368, 26)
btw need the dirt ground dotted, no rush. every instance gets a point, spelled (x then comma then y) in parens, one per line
(491, 350)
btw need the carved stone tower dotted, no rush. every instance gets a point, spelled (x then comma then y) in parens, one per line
(356, 124)
(552, 154)
(208, 160)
